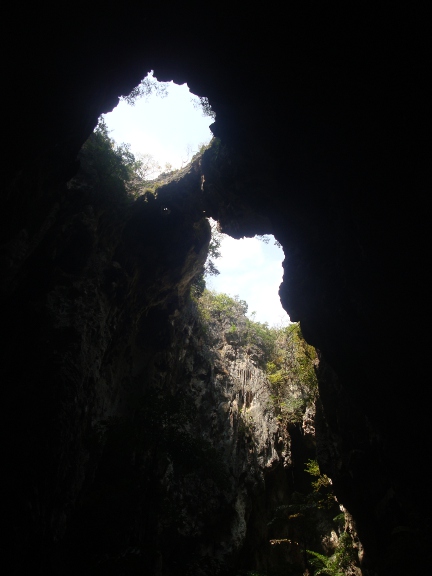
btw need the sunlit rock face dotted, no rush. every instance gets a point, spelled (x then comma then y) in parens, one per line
(210, 457)
(153, 443)
(193, 477)
(326, 131)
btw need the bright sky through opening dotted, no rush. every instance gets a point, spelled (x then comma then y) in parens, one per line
(253, 270)
(171, 129)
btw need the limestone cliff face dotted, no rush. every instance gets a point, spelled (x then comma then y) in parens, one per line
(234, 413)
(191, 478)
(155, 444)
(196, 487)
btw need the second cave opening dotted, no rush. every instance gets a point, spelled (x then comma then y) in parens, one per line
(163, 125)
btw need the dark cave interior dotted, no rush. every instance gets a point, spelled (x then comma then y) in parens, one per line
(324, 116)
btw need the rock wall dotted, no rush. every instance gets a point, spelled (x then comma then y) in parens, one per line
(104, 279)
(154, 444)
(190, 479)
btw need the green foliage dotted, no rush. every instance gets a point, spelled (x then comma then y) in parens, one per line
(203, 103)
(214, 253)
(262, 336)
(304, 514)
(106, 164)
(322, 481)
(230, 313)
(203, 146)
(146, 167)
(113, 168)
(304, 507)
(197, 288)
(148, 86)
(322, 496)
(226, 307)
(288, 359)
(339, 562)
(291, 374)
(339, 519)
(312, 468)
(324, 564)
(265, 238)
(221, 307)
(291, 409)
(210, 268)
(290, 365)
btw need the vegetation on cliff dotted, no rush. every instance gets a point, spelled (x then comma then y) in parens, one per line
(282, 352)
(110, 166)
(160, 446)
(113, 167)
(311, 518)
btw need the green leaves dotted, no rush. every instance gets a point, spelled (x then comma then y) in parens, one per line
(108, 167)
(291, 373)
(203, 103)
(148, 86)
(322, 481)
(289, 361)
(230, 314)
(338, 563)
(222, 307)
(324, 564)
(213, 249)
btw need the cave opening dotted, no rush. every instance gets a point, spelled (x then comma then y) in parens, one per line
(164, 125)
(133, 262)
(250, 274)
(251, 268)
